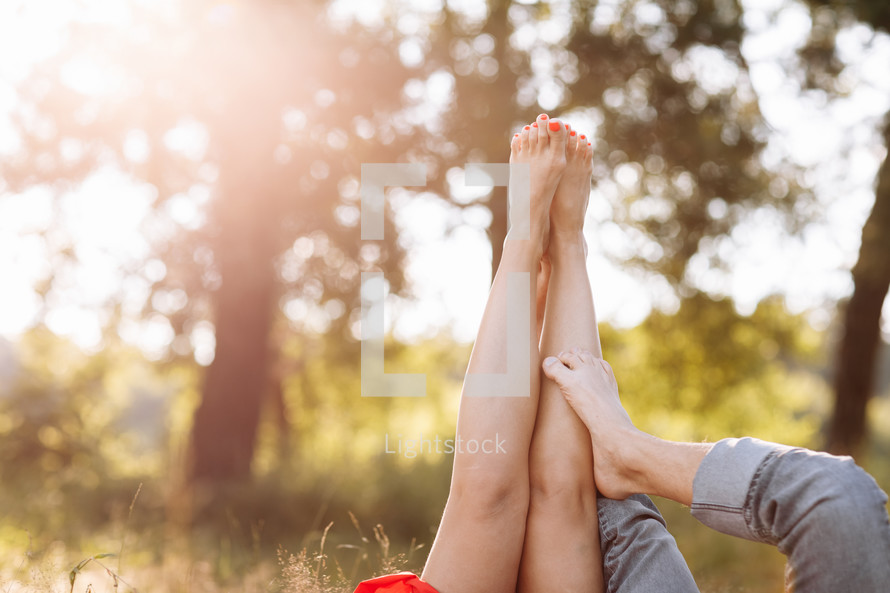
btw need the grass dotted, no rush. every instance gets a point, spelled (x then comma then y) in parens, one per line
(67, 546)
(333, 562)
(193, 564)
(721, 563)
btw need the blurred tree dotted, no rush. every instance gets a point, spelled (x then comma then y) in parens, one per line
(284, 103)
(267, 107)
(765, 366)
(72, 425)
(51, 428)
(679, 134)
(857, 357)
(267, 153)
(487, 69)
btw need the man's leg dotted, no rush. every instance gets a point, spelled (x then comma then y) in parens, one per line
(823, 512)
(479, 542)
(639, 554)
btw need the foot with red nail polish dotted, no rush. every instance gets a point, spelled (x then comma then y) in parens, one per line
(541, 146)
(570, 202)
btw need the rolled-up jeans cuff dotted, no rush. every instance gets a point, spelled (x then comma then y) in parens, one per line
(722, 484)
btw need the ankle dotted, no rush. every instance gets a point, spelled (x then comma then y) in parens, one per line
(567, 242)
(567, 235)
(637, 451)
(529, 251)
(628, 450)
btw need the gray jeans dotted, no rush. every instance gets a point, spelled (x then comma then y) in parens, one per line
(823, 512)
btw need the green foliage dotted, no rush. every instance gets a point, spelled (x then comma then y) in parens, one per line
(330, 425)
(707, 372)
(704, 371)
(691, 144)
(292, 104)
(58, 418)
(78, 430)
(720, 563)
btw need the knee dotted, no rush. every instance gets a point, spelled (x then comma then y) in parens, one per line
(634, 521)
(848, 500)
(834, 512)
(490, 494)
(565, 482)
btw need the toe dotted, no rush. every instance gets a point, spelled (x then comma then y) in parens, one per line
(534, 136)
(570, 359)
(515, 144)
(572, 145)
(524, 138)
(557, 132)
(555, 370)
(541, 125)
(586, 150)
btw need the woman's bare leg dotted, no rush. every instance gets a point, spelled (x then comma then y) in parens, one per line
(562, 550)
(541, 294)
(479, 542)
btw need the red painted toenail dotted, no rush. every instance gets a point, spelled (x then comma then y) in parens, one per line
(516, 135)
(543, 116)
(526, 128)
(583, 136)
(554, 126)
(535, 125)
(572, 133)
(588, 144)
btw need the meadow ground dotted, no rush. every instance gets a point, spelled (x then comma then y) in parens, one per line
(146, 556)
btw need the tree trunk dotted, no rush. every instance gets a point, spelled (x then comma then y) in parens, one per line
(857, 358)
(499, 121)
(246, 216)
(497, 230)
(225, 425)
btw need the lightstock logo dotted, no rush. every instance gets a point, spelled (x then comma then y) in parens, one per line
(376, 177)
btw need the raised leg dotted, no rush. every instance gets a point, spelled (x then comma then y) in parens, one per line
(479, 542)
(562, 550)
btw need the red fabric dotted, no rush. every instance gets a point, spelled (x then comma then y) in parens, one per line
(402, 582)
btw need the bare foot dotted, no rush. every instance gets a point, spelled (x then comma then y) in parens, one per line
(542, 147)
(570, 202)
(588, 384)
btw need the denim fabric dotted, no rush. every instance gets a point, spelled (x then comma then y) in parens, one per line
(639, 555)
(823, 512)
